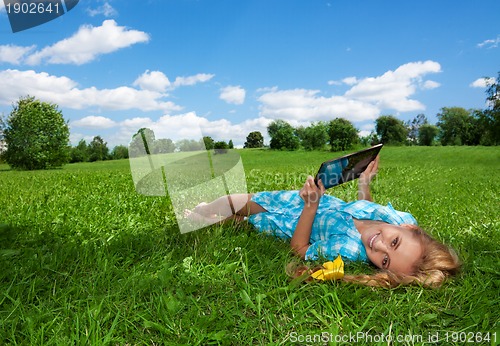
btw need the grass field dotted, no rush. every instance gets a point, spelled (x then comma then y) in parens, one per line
(86, 260)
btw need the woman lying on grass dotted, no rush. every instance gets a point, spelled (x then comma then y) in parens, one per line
(322, 226)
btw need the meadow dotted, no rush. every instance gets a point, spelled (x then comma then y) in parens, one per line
(86, 260)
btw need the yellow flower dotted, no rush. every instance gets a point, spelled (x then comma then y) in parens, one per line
(331, 270)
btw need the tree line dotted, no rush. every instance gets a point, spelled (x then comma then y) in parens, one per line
(455, 126)
(37, 136)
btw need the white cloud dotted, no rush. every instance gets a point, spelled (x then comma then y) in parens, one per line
(350, 80)
(306, 105)
(88, 43)
(176, 127)
(429, 84)
(158, 81)
(233, 94)
(482, 82)
(192, 80)
(94, 122)
(65, 92)
(491, 43)
(14, 54)
(365, 100)
(106, 10)
(153, 81)
(393, 89)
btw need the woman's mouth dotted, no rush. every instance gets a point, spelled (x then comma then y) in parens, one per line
(372, 238)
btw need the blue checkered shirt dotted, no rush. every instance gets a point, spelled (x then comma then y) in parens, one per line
(333, 230)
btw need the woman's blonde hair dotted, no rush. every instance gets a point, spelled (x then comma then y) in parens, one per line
(438, 262)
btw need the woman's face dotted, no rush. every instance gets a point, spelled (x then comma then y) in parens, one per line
(392, 247)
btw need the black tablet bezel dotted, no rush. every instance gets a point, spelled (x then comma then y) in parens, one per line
(349, 174)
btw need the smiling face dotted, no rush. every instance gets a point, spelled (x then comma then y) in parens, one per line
(392, 247)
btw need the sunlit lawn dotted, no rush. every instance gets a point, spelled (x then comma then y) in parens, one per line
(87, 260)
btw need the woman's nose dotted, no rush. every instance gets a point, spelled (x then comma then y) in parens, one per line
(380, 245)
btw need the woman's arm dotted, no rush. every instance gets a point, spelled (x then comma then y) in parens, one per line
(311, 195)
(365, 178)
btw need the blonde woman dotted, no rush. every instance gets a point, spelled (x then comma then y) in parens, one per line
(320, 226)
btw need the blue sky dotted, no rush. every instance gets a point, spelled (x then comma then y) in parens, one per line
(231, 67)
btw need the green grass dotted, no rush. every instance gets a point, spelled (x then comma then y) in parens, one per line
(86, 260)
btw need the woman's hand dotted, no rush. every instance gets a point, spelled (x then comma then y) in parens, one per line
(311, 193)
(370, 172)
(365, 178)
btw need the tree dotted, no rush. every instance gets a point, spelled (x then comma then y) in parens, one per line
(455, 125)
(492, 114)
(163, 146)
(391, 130)
(98, 149)
(80, 153)
(254, 140)
(426, 134)
(221, 147)
(342, 133)
(119, 152)
(37, 136)
(209, 142)
(230, 144)
(371, 139)
(142, 142)
(282, 136)
(414, 127)
(313, 137)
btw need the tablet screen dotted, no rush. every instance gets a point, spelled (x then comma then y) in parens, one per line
(346, 168)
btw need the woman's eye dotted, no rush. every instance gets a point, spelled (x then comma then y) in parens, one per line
(394, 242)
(384, 261)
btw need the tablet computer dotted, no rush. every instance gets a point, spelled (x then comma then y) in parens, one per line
(346, 168)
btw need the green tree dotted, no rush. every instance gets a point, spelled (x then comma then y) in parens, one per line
(209, 142)
(80, 153)
(37, 136)
(313, 137)
(414, 127)
(142, 142)
(455, 126)
(230, 144)
(163, 146)
(427, 133)
(254, 140)
(98, 149)
(119, 152)
(492, 114)
(371, 139)
(342, 133)
(221, 147)
(391, 130)
(282, 135)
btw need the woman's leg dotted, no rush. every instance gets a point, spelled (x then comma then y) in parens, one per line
(230, 205)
